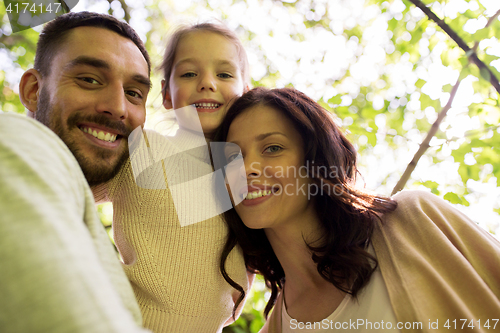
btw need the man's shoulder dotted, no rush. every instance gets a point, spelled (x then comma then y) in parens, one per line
(27, 141)
(17, 125)
(8, 118)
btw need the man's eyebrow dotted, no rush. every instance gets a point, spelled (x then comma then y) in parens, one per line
(141, 79)
(89, 61)
(98, 63)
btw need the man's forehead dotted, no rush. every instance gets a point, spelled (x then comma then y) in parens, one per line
(81, 38)
(100, 44)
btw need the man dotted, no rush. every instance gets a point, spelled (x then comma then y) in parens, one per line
(59, 272)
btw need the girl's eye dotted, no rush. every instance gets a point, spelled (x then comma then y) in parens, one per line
(190, 74)
(224, 75)
(273, 149)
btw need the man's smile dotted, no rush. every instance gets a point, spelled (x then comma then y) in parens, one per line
(99, 134)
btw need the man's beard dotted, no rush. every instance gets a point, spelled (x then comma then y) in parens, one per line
(100, 170)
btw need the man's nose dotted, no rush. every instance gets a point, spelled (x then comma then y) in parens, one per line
(114, 102)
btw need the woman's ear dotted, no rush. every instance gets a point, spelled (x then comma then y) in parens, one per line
(167, 100)
(29, 90)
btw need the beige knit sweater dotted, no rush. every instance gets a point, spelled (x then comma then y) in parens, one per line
(174, 270)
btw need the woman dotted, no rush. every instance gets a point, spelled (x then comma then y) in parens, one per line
(335, 256)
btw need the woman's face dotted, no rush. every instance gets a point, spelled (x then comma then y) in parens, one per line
(272, 178)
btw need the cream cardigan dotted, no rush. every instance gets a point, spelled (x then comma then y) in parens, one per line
(437, 265)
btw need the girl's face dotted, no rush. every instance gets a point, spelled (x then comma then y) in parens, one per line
(277, 187)
(205, 73)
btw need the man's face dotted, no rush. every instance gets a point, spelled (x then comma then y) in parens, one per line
(94, 97)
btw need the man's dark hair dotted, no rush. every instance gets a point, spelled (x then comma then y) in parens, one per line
(55, 33)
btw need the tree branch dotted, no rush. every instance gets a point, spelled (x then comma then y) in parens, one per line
(64, 6)
(425, 144)
(453, 35)
(492, 19)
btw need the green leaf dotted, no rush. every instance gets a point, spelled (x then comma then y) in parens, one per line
(447, 87)
(433, 186)
(456, 199)
(467, 172)
(482, 34)
(392, 24)
(444, 58)
(453, 198)
(420, 83)
(372, 139)
(337, 99)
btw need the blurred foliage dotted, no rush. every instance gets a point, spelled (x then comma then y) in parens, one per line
(251, 319)
(382, 66)
(105, 212)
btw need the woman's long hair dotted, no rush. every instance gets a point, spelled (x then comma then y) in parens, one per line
(347, 214)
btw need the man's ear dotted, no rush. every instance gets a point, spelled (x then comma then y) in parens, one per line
(167, 100)
(29, 90)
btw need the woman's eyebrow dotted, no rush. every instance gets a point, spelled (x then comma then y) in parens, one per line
(261, 137)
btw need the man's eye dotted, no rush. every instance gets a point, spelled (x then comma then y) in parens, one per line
(190, 74)
(225, 75)
(273, 149)
(134, 94)
(89, 80)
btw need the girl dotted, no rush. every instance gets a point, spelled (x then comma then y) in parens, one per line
(333, 254)
(174, 269)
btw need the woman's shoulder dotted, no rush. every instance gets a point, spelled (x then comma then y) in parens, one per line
(411, 202)
(414, 197)
(420, 211)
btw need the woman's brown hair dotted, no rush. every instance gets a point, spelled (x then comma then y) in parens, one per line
(347, 214)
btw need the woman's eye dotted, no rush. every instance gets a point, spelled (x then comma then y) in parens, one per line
(233, 157)
(190, 74)
(224, 75)
(273, 149)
